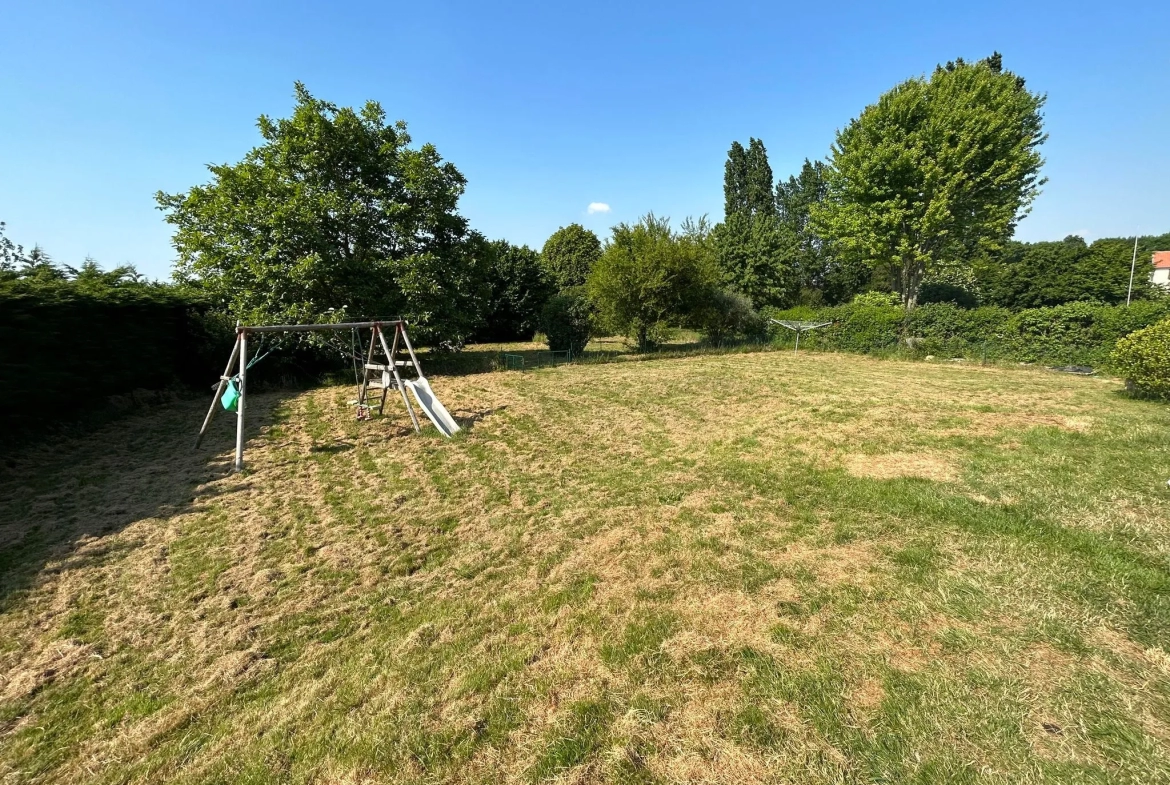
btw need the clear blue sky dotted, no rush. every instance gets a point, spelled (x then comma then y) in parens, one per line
(546, 107)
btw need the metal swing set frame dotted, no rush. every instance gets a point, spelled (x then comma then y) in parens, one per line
(376, 376)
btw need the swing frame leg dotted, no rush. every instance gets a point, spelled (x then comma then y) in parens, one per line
(397, 378)
(239, 465)
(223, 380)
(364, 391)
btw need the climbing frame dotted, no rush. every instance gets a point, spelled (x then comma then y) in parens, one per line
(377, 378)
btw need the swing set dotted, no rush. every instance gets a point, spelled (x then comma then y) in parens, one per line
(378, 376)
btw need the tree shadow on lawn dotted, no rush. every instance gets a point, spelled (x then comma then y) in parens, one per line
(69, 490)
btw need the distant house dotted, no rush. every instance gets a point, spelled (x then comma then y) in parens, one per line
(1161, 272)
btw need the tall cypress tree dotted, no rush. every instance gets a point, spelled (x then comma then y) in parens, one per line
(756, 254)
(760, 200)
(735, 181)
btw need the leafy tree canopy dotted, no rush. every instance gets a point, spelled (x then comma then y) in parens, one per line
(1033, 275)
(569, 254)
(758, 256)
(333, 215)
(520, 286)
(939, 169)
(650, 278)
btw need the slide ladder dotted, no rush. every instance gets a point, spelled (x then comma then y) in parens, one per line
(381, 377)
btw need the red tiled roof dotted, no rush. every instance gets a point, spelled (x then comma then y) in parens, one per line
(1162, 260)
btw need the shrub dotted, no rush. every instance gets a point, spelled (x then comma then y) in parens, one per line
(729, 315)
(876, 298)
(650, 279)
(944, 292)
(1143, 358)
(1077, 333)
(567, 321)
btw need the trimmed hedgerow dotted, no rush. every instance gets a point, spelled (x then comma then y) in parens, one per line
(65, 349)
(1071, 334)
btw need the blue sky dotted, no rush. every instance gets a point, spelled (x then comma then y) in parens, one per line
(547, 107)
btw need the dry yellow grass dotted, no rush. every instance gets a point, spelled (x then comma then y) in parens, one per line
(731, 568)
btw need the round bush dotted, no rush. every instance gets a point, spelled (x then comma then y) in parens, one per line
(567, 321)
(728, 315)
(1143, 358)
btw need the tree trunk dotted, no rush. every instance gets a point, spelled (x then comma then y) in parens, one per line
(912, 272)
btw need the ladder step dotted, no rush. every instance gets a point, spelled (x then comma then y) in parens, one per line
(382, 367)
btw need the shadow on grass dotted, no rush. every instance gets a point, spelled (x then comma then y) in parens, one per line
(467, 421)
(70, 490)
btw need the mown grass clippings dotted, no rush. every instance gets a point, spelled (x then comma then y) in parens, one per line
(822, 569)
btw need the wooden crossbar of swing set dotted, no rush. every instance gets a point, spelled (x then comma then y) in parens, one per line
(240, 353)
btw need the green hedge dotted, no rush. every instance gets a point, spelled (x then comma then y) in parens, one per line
(65, 349)
(1071, 334)
(1143, 358)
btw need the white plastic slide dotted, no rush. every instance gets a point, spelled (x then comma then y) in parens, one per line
(432, 406)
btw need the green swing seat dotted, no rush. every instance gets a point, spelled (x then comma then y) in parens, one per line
(231, 396)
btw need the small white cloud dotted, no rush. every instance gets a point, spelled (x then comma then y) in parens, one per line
(597, 207)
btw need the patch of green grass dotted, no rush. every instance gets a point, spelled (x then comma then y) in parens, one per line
(641, 639)
(582, 735)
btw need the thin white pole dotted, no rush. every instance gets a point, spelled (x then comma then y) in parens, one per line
(1132, 265)
(243, 398)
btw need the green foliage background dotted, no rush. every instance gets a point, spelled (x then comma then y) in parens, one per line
(519, 287)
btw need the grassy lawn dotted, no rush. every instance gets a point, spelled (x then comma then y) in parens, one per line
(729, 568)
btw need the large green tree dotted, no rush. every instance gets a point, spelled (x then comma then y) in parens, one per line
(735, 181)
(939, 170)
(759, 197)
(756, 256)
(755, 253)
(520, 286)
(650, 278)
(747, 180)
(333, 214)
(569, 254)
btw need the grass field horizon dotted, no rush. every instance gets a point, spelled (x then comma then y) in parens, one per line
(742, 567)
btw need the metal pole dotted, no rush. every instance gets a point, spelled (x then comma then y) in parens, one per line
(218, 392)
(243, 398)
(797, 347)
(1132, 265)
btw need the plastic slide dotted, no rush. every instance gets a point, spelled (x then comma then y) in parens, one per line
(433, 407)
